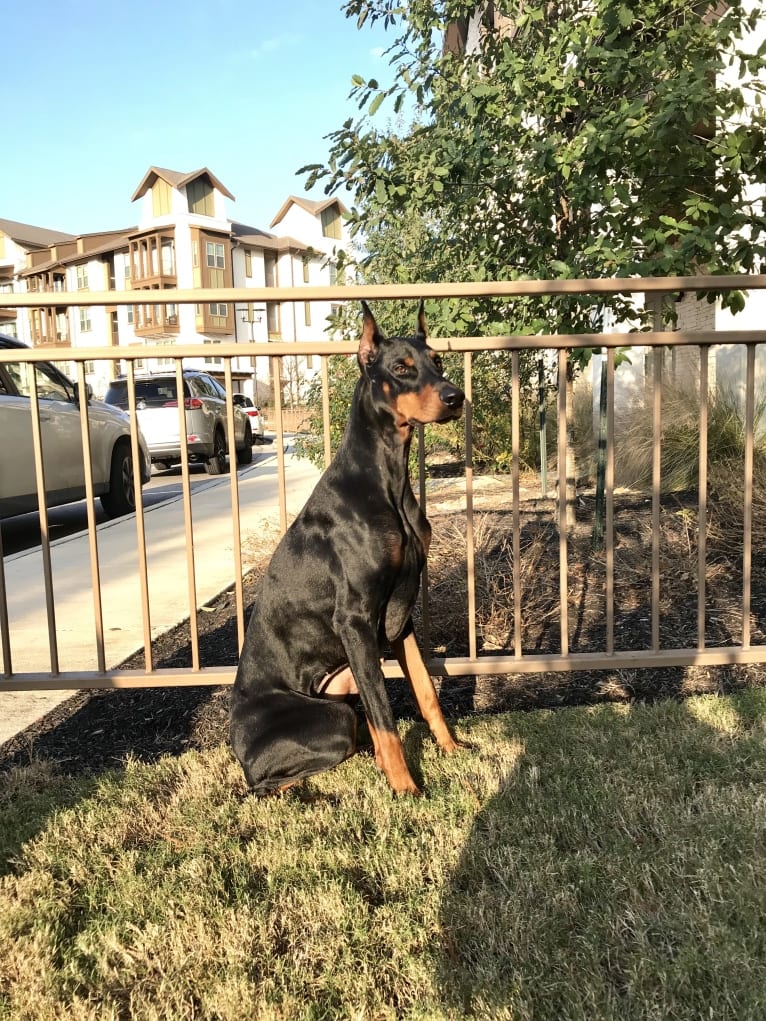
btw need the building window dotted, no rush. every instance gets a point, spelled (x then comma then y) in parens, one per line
(85, 320)
(200, 198)
(215, 255)
(272, 318)
(331, 222)
(82, 278)
(219, 309)
(126, 257)
(333, 274)
(270, 269)
(167, 257)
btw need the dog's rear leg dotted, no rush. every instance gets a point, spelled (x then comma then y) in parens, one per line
(410, 660)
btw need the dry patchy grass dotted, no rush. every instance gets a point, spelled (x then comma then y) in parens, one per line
(603, 862)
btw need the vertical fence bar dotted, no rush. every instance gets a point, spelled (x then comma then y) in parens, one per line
(516, 516)
(87, 467)
(45, 542)
(5, 631)
(235, 524)
(470, 552)
(326, 425)
(143, 574)
(747, 512)
(702, 499)
(562, 470)
(188, 524)
(609, 485)
(656, 490)
(276, 373)
(425, 593)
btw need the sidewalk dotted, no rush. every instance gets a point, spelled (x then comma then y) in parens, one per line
(167, 569)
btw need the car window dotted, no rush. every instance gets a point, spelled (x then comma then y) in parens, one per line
(204, 386)
(49, 387)
(218, 390)
(156, 393)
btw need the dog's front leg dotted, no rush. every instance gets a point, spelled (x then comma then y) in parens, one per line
(406, 650)
(364, 660)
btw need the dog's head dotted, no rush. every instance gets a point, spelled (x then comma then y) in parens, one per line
(407, 375)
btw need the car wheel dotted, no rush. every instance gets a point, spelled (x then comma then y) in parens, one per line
(245, 455)
(121, 498)
(217, 463)
(161, 466)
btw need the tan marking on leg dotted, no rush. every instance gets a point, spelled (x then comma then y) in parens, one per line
(389, 757)
(341, 684)
(410, 660)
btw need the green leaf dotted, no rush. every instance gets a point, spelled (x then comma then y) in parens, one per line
(375, 104)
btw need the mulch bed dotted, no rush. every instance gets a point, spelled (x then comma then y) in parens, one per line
(95, 730)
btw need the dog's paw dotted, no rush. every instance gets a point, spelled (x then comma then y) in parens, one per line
(452, 746)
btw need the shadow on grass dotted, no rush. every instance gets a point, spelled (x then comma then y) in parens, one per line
(617, 872)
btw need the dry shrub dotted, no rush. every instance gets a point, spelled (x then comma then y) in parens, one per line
(680, 437)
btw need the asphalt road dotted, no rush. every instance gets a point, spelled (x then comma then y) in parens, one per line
(23, 531)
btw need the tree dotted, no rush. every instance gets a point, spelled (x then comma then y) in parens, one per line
(588, 138)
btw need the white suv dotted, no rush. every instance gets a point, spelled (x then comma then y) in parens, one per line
(205, 402)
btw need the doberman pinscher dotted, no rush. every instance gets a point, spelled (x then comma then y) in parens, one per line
(342, 584)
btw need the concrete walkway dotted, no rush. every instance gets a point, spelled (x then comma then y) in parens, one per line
(167, 568)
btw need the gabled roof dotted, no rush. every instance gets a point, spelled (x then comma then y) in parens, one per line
(315, 208)
(104, 241)
(257, 238)
(176, 179)
(26, 235)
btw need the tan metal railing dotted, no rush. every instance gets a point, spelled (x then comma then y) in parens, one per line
(514, 659)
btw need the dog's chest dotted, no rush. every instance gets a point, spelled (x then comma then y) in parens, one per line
(408, 561)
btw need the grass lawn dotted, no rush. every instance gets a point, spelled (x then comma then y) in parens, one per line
(585, 863)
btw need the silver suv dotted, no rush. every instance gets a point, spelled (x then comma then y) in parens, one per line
(206, 423)
(61, 407)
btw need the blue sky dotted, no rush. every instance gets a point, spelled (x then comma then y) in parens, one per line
(96, 93)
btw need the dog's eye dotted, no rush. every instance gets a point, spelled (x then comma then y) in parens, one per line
(401, 369)
(438, 364)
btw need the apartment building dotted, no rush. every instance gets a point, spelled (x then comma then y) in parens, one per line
(184, 239)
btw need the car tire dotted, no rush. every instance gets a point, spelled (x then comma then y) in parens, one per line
(245, 455)
(121, 498)
(161, 466)
(216, 465)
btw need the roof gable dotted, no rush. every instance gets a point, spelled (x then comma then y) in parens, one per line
(177, 179)
(310, 206)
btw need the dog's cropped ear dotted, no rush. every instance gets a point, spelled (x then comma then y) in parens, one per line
(422, 329)
(370, 340)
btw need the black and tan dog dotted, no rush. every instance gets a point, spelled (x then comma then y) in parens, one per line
(342, 584)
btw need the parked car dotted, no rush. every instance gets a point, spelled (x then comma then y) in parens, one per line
(253, 412)
(206, 419)
(60, 407)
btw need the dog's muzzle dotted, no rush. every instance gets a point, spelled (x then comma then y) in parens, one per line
(453, 398)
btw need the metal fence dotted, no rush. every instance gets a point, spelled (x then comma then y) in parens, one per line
(516, 655)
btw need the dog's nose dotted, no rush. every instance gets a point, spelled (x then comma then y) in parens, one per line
(452, 397)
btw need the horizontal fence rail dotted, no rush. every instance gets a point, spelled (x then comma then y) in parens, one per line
(563, 653)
